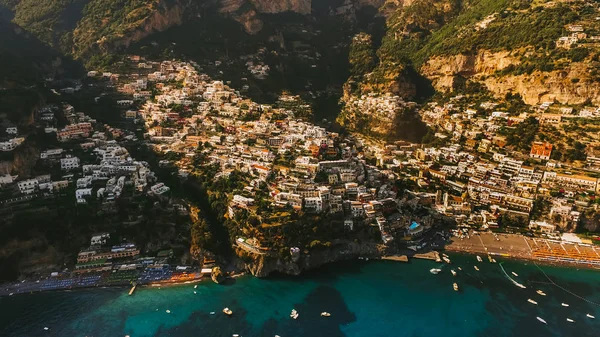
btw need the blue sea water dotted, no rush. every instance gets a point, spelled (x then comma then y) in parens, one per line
(375, 298)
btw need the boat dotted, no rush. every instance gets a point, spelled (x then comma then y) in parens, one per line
(46, 328)
(294, 314)
(194, 293)
(459, 268)
(132, 289)
(227, 312)
(541, 292)
(435, 271)
(453, 272)
(564, 304)
(476, 268)
(196, 286)
(590, 316)
(235, 335)
(490, 259)
(447, 260)
(570, 320)
(325, 314)
(520, 285)
(531, 301)
(212, 312)
(541, 320)
(455, 286)
(479, 258)
(168, 311)
(493, 260)
(515, 274)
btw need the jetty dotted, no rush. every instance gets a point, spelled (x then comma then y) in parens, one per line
(433, 255)
(399, 258)
(132, 289)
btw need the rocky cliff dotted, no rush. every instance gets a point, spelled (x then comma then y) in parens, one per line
(570, 85)
(263, 265)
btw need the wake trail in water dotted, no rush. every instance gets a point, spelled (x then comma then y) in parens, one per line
(511, 279)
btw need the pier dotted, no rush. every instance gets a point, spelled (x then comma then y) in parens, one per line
(399, 258)
(132, 289)
(433, 255)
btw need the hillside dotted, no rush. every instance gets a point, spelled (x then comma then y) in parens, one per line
(541, 50)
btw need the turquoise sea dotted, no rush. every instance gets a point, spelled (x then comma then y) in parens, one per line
(375, 298)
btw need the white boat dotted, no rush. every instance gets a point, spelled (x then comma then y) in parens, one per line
(294, 314)
(590, 316)
(235, 335)
(490, 259)
(447, 260)
(194, 293)
(212, 312)
(570, 320)
(541, 292)
(531, 301)
(168, 311)
(455, 286)
(479, 258)
(459, 268)
(520, 285)
(435, 271)
(476, 268)
(196, 286)
(325, 314)
(227, 312)
(493, 260)
(564, 304)
(445, 255)
(515, 274)
(453, 272)
(541, 320)
(46, 328)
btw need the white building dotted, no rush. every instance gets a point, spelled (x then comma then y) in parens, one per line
(69, 163)
(28, 186)
(81, 193)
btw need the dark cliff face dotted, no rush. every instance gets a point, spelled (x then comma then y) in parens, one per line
(263, 265)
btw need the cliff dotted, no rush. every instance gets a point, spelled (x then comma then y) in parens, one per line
(263, 265)
(570, 85)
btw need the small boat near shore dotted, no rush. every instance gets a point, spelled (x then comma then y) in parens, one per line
(447, 260)
(294, 314)
(434, 271)
(453, 272)
(590, 316)
(476, 268)
(455, 286)
(541, 320)
(531, 301)
(459, 268)
(514, 274)
(570, 320)
(325, 314)
(539, 292)
(479, 258)
(564, 304)
(168, 311)
(490, 259)
(227, 312)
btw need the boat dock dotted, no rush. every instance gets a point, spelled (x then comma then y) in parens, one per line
(132, 289)
(433, 255)
(399, 258)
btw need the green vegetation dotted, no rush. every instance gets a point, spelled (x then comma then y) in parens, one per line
(522, 135)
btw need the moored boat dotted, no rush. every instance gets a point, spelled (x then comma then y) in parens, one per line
(515, 274)
(564, 304)
(490, 259)
(455, 286)
(434, 271)
(476, 268)
(227, 312)
(294, 314)
(531, 301)
(325, 314)
(590, 316)
(570, 320)
(453, 272)
(541, 320)
(541, 292)
(447, 260)
(479, 258)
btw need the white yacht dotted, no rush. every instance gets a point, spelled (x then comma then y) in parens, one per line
(541, 293)
(531, 301)
(590, 316)
(479, 258)
(453, 272)
(564, 304)
(435, 271)
(294, 314)
(570, 320)
(541, 320)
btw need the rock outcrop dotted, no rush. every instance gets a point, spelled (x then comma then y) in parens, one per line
(263, 265)
(567, 86)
